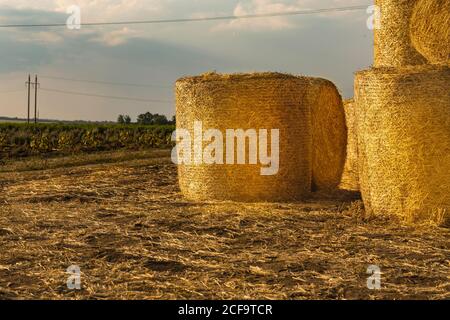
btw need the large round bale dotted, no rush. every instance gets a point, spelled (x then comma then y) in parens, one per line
(430, 31)
(253, 101)
(329, 134)
(403, 121)
(392, 41)
(350, 179)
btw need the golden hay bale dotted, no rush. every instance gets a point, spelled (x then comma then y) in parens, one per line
(329, 134)
(392, 42)
(403, 121)
(350, 179)
(256, 101)
(430, 31)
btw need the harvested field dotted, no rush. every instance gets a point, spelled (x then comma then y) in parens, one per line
(134, 237)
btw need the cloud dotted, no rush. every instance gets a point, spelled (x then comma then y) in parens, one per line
(93, 10)
(259, 7)
(55, 11)
(41, 36)
(116, 37)
(21, 55)
(280, 23)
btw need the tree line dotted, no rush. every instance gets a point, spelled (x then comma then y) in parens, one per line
(146, 119)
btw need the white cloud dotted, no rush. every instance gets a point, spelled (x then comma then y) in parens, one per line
(91, 11)
(273, 6)
(104, 10)
(123, 10)
(94, 10)
(258, 7)
(117, 37)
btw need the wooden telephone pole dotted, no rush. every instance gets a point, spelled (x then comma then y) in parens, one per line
(28, 83)
(36, 84)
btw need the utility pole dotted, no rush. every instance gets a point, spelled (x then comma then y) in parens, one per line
(36, 84)
(28, 83)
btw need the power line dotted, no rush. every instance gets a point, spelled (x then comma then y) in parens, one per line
(104, 96)
(106, 82)
(217, 18)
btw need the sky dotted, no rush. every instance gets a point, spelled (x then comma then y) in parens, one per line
(328, 45)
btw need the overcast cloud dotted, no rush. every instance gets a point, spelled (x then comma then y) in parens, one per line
(326, 45)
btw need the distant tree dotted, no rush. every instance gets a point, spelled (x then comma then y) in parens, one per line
(149, 118)
(160, 119)
(121, 119)
(145, 118)
(127, 119)
(174, 120)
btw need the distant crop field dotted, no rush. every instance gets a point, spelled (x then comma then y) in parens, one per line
(12, 121)
(22, 139)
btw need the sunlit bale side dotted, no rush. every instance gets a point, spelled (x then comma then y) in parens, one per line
(350, 179)
(430, 30)
(392, 40)
(403, 124)
(264, 101)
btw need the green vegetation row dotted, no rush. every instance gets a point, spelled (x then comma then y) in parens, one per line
(22, 139)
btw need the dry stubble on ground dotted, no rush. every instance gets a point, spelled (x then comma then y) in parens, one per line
(125, 224)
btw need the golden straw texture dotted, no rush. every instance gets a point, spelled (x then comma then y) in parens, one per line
(329, 134)
(430, 29)
(254, 101)
(403, 120)
(349, 179)
(392, 41)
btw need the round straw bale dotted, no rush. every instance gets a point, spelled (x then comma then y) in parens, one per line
(392, 41)
(251, 101)
(329, 134)
(403, 121)
(349, 179)
(430, 31)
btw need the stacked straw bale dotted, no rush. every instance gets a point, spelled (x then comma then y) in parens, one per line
(403, 121)
(350, 179)
(430, 31)
(393, 46)
(263, 101)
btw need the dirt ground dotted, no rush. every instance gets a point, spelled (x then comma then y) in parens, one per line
(125, 224)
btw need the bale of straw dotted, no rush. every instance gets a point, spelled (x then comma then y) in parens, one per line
(430, 31)
(349, 180)
(392, 41)
(255, 101)
(403, 121)
(329, 133)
